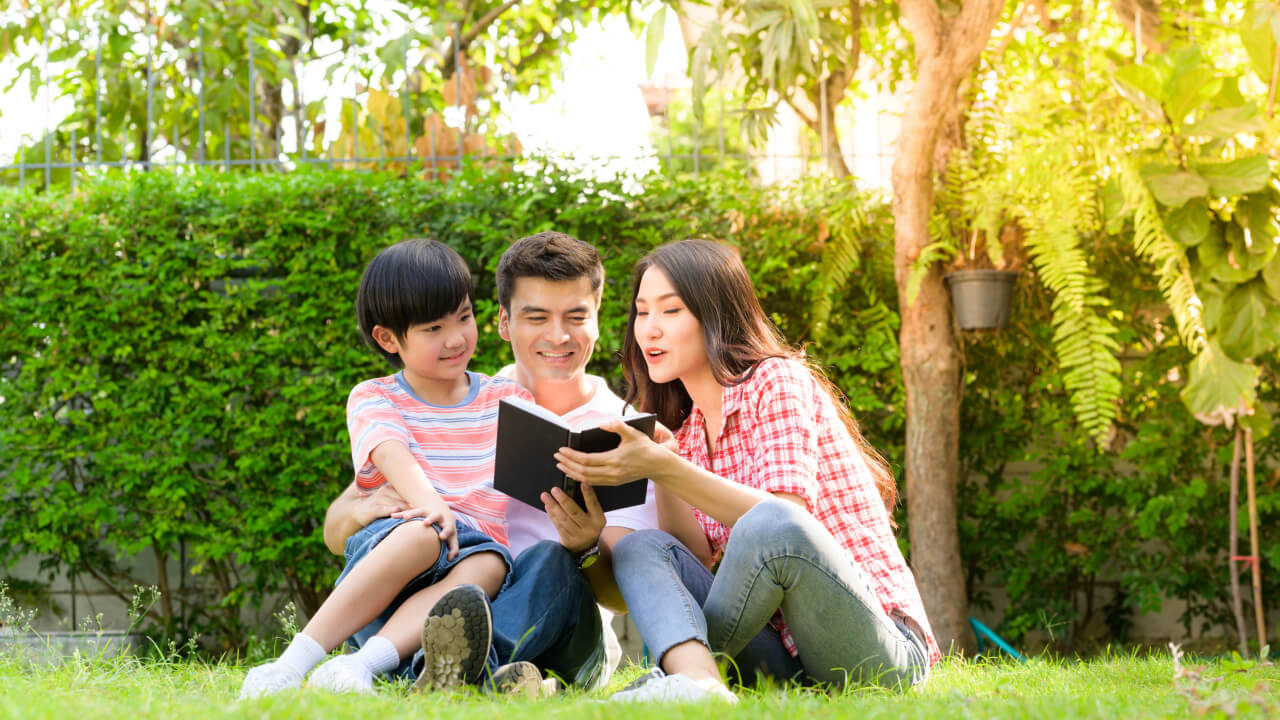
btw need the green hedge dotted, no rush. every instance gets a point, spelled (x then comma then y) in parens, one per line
(176, 351)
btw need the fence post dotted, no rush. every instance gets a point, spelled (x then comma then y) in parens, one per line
(408, 99)
(202, 148)
(150, 88)
(48, 100)
(826, 144)
(300, 106)
(457, 77)
(97, 94)
(253, 118)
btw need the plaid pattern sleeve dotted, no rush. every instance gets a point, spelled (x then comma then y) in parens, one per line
(782, 433)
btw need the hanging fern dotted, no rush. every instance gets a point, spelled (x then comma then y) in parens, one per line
(1043, 182)
(1173, 269)
(851, 217)
(1061, 210)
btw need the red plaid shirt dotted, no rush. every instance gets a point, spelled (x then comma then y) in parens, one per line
(782, 434)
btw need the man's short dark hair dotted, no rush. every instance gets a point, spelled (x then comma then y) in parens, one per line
(549, 255)
(412, 282)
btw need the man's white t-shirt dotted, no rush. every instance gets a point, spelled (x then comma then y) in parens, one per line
(527, 526)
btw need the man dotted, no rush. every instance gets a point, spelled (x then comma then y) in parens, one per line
(549, 291)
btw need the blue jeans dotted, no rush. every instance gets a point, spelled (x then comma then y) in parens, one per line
(470, 542)
(778, 557)
(547, 615)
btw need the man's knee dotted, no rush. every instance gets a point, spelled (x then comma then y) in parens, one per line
(547, 555)
(642, 543)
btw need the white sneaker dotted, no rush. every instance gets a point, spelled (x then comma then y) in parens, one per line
(659, 687)
(269, 679)
(342, 674)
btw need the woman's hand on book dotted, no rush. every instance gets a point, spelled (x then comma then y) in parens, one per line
(635, 457)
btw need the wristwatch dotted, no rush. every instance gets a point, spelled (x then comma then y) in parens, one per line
(588, 557)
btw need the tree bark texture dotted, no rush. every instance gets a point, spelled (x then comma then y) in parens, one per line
(947, 51)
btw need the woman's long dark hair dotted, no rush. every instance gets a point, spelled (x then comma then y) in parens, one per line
(713, 283)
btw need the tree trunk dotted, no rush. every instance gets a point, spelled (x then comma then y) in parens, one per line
(947, 51)
(1142, 19)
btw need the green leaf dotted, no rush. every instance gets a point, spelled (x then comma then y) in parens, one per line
(1227, 123)
(1173, 186)
(1258, 421)
(1211, 295)
(1217, 386)
(1143, 87)
(1258, 39)
(1271, 276)
(653, 39)
(1250, 321)
(1217, 260)
(1256, 212)
(1189, 224)
(1248, 253)
(1236, 177)
(1114, 209)
(1189, 90)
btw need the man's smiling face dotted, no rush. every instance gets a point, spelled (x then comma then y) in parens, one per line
(551, 326)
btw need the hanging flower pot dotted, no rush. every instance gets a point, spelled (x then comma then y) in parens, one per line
(981, 298)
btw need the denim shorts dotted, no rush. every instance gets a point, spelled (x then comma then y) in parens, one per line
(470, 542)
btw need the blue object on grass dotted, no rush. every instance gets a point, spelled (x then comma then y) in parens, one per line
(979, 630)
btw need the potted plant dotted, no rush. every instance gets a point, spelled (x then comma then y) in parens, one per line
(981, 296)
(980, 272)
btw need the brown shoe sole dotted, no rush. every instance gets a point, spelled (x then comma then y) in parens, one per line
(455, 640)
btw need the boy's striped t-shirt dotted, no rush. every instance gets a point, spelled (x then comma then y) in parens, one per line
(454, 445)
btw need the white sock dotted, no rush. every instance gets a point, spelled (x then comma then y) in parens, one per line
(378, 654)
(303, 654)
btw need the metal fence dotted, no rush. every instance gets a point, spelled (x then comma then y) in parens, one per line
(67, 150)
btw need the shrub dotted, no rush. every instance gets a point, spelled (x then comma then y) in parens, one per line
(176, 351)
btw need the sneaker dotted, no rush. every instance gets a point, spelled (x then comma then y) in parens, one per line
(521, 678)
(653, 674)
(456, 637)
(342, 674)
(675, 689)
(269, 679)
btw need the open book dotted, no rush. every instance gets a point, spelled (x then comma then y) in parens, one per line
(528, 438)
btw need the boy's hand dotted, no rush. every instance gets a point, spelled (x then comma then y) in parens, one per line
(578, 529)
(439, 515)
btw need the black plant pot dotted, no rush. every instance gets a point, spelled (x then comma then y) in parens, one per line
(981, 297)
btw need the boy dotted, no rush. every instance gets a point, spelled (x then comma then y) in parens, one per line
(428, 431)
(549, 290)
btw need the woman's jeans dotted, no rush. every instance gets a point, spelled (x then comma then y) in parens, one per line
(778, 557)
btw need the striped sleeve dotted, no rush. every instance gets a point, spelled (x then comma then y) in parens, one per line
(372, 419)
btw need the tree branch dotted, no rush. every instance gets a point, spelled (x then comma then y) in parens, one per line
(855, 37)
(478, 27)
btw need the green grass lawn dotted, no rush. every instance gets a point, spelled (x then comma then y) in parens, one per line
(1126, 686)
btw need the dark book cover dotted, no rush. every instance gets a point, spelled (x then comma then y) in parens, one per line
(528, 438)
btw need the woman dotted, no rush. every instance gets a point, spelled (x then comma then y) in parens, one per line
(785, 493)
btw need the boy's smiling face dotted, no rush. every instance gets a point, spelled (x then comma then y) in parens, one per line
(435, 354)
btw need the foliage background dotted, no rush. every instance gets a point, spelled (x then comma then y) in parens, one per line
(176, 350)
